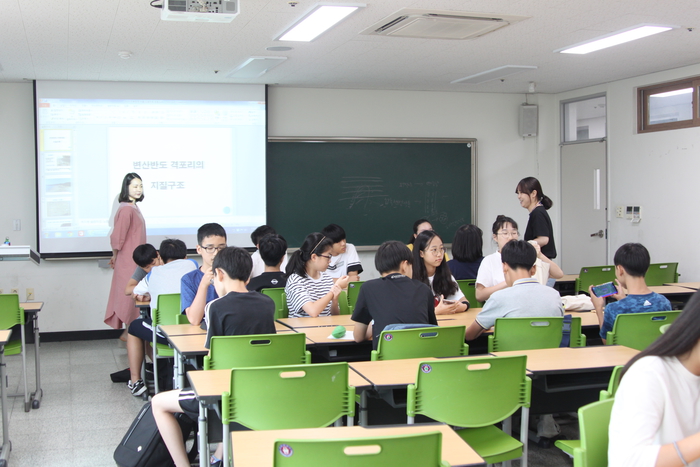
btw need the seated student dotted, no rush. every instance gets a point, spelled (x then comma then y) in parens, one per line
(196, 289)
(161, 280)
(258, 263)
(430, 268)
(631, 264)
(394, 298)
(490, 277)
(237, 312)
(654, 419)
(345, 261)
(146, 257)
(310, 291)
(523, 297)
(419, 226)
(467, 251)
(273, 250)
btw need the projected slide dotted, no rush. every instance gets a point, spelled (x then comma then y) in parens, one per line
(200, 160)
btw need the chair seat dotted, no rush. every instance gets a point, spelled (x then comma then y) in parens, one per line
(492, 444)
(13, 348)
(568, 445)
(164, 350)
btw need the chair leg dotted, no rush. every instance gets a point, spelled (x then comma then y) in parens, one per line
(524, 426)
(507, 429)
(27, 404)
(156, 389)
(226, 441)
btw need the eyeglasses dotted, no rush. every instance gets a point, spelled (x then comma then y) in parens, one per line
(437, 251)
(212, 249)
(328, 257)
(505, 233)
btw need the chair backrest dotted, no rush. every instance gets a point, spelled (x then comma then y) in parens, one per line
(320, 393)
(10, 311)
(661, 273)
(257, 350)
(167, 309)
(343, 303)
(612, 385)
(421, 449)
(593, 421)
(497, 388)
(639, 330)
(533, 333)
(468, 288)
(443, 341)
(353, 292)
(594, 275)
(280, 298)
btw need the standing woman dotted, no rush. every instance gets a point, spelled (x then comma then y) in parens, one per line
(129, 232)
(310, 290)
(539, 226)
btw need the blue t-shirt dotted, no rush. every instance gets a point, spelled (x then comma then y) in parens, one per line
(632, 304)
(188, 289)
(462, 270)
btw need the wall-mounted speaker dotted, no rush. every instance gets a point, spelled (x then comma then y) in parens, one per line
(528, 120)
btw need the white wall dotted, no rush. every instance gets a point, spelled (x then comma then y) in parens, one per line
(657, 171)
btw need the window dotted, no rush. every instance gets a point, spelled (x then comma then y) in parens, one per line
(668, 106)
(583, 119)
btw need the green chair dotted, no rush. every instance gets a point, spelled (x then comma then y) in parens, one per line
(11, 314)
(255, 398)
(468, 288)
(419, 449)
(533, 333)
(661, 273)
(570, 445)
(639, 330)
(492, 389)
(167, 311)
(593, 275)
(353, 292)
(442, 341)
(258, 350)
(280, 299)
(343, 303)
(593, 421)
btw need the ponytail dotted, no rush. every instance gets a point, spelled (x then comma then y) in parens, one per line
(529, 184)
(314, 243)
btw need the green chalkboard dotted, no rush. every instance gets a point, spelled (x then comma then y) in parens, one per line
(375, 189)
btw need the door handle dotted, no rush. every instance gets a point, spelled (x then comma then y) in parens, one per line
(598, 234)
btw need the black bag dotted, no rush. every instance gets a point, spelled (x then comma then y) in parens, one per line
(142, 445)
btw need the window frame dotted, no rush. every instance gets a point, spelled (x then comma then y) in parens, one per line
(643, 94)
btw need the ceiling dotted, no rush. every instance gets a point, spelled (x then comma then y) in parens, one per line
(80, 40)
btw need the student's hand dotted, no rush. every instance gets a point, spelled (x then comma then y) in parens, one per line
(537, 248)
(443, 308)
(335, 290)
(353, 277)
(621, 291)
(142, 298)
(598, 302)
(342, 282)
(207, 278)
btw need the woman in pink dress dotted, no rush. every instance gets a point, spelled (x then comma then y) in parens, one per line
(129, 232)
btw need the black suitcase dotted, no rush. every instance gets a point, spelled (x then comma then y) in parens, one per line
(142, 445)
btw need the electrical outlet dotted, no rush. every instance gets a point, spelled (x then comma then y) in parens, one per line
(14, 290)
(620, 212)
(30, 294)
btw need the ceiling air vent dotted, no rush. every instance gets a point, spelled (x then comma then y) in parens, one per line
(440, 24)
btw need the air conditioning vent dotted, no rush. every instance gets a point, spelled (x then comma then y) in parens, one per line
(434, 24)
(206, 11)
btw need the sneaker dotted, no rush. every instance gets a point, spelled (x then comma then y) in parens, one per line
(137, 388)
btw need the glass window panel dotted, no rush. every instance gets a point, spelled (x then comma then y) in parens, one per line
(671, 106)
(584, 119)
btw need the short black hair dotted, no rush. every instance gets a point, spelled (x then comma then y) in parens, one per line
(210, 230)
(144, 255)
(334, 232)
(171, 249)
(260, 232)
(124, 193)
(634, 258)
(390, 255)
(272, 249)
(519, 254)
(468, 244)
(501, 222)
(236, 262)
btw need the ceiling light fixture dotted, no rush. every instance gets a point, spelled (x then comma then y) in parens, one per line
(494, 73)
(125, 54)
(255, 67)
(318, 21)
(615, 38)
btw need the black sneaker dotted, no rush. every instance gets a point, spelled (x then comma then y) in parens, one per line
(137, 388)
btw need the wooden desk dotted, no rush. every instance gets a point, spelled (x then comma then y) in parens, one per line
(390, 373)
(256, 448)
(321, 335)
(181, 330)
(6, 444)
(335, 320)
(588, 318)
(667, 290)
(32, 310)
(568, 278)
(688, 285)
(574, 358)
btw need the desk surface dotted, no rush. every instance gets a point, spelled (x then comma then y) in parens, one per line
(588, 318)
(321, 335)
(181, 330)
(32, 306)
(189, 345)
(688, 285)
(574, 359)
(671, 290)
(389, 372)
(5, 336)
(256, 448)
(568, 278)
(335, 320)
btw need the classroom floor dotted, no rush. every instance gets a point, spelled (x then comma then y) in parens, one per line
(83, 415)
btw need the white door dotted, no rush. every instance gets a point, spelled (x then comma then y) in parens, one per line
(584, 204)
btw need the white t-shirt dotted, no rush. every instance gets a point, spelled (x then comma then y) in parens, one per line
(259, 264)
(164, 279)
(339, 264)
(458, 296)
(658, 402)
(491, 271)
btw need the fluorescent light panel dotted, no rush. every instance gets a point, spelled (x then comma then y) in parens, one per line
(321, 18)
(255, 67)
(495, 73)
(616, 38)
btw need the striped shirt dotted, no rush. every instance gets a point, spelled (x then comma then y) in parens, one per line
(302, 290)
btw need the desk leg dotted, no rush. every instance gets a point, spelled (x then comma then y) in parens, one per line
(6, 444)
(362, 419)
(180, 375)
(203, 437)
(227, 446)
(38, 393)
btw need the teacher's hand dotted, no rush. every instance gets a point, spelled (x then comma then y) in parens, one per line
(112, 261)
